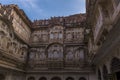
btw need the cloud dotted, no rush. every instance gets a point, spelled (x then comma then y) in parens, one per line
(41, 9)
(31, 7)
(79, 6)
(30, 4)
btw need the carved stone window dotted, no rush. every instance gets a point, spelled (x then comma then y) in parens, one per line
(42, 56)
(60, 35)
(69, 56)
(69, 36)
(51, 36)
(32, 55)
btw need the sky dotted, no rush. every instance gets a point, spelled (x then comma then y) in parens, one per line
(44, 9)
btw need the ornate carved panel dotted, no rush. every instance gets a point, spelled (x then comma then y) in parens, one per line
(56, 34)
(74, 35)
(40, 36)
(74, 56)
(55, 52)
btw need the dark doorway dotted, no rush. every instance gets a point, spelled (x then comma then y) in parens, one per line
(99, 74)
(2, 77)
(105, 73)
(118, 75)
(56, 78)
(82, 78)
(31, 78)
(115, 68)
(43, 78)
(70, 78)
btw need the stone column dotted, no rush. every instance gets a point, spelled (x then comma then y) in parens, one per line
(8, 76)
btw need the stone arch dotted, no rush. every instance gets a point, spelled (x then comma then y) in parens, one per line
(69, 78)
(105, 73)
(31, 78)
(53, 44)
(2, 77)
(56, 78)
(82, 78)
(42, 78)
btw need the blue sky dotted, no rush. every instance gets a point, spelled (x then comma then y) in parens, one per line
(44, 9)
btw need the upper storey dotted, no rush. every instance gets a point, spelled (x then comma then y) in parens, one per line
(59, 30)
(69, 21)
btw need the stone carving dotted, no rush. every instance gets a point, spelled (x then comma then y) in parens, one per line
(38, 54)
(74, 35)
(42, 55)
(69, 56)
(9, 43)
(79, 54)
(40, 36)
(56, 34)
(55, 52)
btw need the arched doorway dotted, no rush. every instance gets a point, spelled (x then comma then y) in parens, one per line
(70, 78)
(43, 78)
(56, 78)
(82, 78)
(105, 73)
(2, 77)
(115, 68)
(31, 78)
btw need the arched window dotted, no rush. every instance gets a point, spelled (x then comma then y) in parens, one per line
(82, 78)
(43, 78)
(70, 78)
(2, 77)
(105, 73)
(31, 78)
(56, 78)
